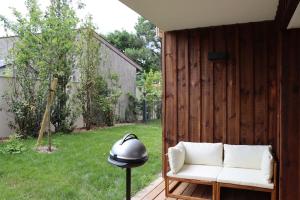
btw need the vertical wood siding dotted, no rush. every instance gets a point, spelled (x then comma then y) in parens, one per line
(290, 142)
(251, 98)
(233, 101)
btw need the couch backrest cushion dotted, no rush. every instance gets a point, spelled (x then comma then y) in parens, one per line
(203, 153)
(244, 156)
(176, 157)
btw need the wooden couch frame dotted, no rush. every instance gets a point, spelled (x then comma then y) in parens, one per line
(168, 190)
(216, 186)
(244, 187)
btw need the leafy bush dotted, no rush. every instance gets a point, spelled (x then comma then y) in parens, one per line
(14, 145)
(150, 84)
(104, 102)
(27, 105)
(131, 112)
(98, 94)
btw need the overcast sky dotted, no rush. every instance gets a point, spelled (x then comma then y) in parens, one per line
(109, 15)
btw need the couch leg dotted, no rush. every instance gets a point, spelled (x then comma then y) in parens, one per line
(273, 195)
(215, 191)
(218, 191)
(166, 187)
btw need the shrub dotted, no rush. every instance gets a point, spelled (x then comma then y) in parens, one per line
(131, 112)
(14, 145)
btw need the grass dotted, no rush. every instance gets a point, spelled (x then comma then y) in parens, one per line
(79, 168)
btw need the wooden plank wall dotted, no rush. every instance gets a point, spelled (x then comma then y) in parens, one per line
(252, 98)
(290, 142)
(234, 101)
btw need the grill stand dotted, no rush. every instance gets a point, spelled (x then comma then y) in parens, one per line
(128, 183)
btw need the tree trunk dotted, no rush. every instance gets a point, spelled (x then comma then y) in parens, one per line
(88, 108)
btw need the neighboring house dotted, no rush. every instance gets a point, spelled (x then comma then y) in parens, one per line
(112, 61)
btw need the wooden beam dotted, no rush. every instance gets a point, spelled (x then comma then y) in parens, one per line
(285, 12)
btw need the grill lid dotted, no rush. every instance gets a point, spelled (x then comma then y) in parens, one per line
(128, 150)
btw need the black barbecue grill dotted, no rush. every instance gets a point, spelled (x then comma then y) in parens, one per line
(127, 153)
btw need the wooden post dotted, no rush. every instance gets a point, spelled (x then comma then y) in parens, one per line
(46, 116)
(144, 108)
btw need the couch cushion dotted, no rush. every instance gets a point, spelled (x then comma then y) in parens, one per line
(197, 172)
(176, 157)
(267, 165)
(244, 156)
(247, 177)
(203, 153)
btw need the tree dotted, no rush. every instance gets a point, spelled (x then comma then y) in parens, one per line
(44, 49)
(124, 40)
(146, 31)
(59, 36)
(142, 47)
(150, 84)
(88, 61)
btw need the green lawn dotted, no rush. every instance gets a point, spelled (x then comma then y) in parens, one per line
(79, 169)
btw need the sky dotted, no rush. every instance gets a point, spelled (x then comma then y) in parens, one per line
(108, 15)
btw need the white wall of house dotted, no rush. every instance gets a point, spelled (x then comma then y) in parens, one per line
(5, 117)
(112, 61)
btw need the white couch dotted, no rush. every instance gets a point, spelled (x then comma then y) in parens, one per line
(243, 166)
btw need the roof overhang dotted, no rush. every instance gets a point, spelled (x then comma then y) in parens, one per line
(295, 21)
(186, 14)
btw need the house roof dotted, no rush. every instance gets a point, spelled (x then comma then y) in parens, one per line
(108, 45)
(116, 50)
(171, 15)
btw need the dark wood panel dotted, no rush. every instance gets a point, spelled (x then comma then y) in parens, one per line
(220, 92)
(233, 86)
(207, 79)
(195, 88)
(171, 89)
(183, 86)
(273, 89)
(246, 84)
(260, 85)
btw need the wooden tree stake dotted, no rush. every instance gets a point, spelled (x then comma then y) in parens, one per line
(46, 116)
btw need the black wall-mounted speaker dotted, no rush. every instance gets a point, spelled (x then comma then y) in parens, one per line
(218, 56)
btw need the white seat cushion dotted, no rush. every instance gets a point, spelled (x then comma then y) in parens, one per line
(203, 153)
(247, 177)
(197, 172)
(244, 156)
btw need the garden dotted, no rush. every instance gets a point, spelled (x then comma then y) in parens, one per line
(47, 157)
(79, 168)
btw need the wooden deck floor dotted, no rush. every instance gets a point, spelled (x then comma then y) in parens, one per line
(155, 191)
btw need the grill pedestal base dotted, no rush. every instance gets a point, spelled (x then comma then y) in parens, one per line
(128, 183)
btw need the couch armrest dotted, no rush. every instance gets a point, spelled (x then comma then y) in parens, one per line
(176, 157)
